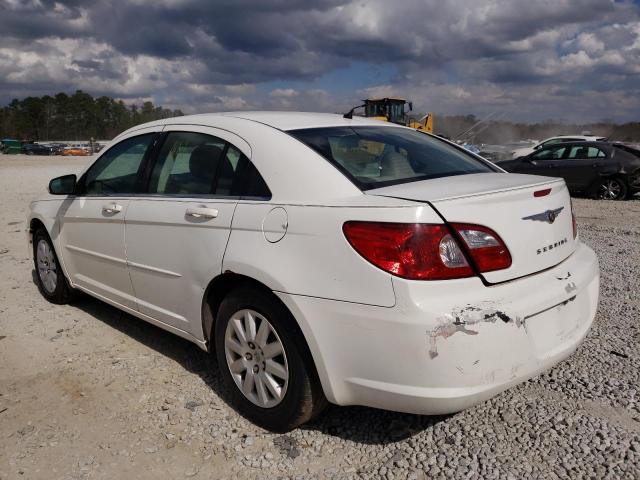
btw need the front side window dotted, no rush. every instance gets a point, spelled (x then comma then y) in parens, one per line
(554, 153)
(116, 171)
(374, 157)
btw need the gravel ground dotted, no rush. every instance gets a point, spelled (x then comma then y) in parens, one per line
(89, 392)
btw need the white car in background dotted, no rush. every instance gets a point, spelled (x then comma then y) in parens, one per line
(524, 151)
(325, 259)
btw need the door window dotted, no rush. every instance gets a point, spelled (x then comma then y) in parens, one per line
(116, 171)
(553, 153)
(578, 152)
(582, 152)
(187, 164)
(191, 163)
(595, 153)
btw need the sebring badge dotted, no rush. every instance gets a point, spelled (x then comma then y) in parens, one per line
(549, 216)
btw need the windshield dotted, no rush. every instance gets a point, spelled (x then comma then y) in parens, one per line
(374, 157)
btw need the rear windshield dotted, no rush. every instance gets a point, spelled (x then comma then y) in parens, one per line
(374, 157)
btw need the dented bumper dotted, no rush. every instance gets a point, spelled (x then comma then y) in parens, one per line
(448, 345)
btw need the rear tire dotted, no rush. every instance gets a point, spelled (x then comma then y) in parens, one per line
(612, 189)
(50, 279)
(250, 348)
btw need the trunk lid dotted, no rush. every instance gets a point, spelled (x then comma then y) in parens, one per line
(506, 204)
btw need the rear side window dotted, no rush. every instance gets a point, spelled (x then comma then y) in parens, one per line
(374, 157)
(187, 164)
(116, 171)
(197, 164)
(585, 152)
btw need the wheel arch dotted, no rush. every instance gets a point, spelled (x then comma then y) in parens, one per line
(220, 286)
(216, 291)
(35, 223)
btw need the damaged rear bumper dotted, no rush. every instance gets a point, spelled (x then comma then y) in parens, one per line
(448, 345)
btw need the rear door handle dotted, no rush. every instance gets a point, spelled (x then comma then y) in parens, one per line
(202, 212)
(112, 208)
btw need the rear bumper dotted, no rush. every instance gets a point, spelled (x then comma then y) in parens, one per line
(448, 345)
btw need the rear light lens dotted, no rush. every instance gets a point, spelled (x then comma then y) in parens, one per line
(486, 248)
(573, 220)
(416, 251)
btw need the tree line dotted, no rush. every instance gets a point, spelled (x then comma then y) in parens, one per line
(80, 117)
(74, 117)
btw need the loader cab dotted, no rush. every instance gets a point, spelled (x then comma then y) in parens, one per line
(388, 109)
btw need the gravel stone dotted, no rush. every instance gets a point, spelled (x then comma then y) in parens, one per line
(106, 398)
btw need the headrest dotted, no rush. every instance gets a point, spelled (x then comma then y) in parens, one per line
(204, 160)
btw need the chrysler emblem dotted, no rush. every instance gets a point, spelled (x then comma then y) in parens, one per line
(549, 216)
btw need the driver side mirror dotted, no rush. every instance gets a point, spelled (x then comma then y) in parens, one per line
(410, 106)
(65, 185)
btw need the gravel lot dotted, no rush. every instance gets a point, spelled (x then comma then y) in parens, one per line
(89, 392)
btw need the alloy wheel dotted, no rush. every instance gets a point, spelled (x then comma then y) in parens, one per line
(609, 189)
(47, 267)
(256, 358)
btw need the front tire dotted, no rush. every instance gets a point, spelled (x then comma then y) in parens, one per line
(264, 362)
(49, 276)
(612, 189)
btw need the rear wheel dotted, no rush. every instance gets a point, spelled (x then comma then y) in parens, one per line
(49, 276)
(264, 362)
(612, 189)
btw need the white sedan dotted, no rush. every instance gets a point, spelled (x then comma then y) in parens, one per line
(325, 259)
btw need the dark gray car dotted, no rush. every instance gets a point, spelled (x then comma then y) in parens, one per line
(599, 169)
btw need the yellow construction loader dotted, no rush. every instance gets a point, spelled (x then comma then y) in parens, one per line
(393, 110)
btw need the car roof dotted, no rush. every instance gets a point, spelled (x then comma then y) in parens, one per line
(280, 120)
(575, 136)
(590, 143)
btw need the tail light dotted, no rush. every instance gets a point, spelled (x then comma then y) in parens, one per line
(573, 219)
(485, 247)
(420, 251)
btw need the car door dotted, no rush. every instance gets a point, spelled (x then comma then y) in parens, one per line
(92, 221)
(176, 235)
(543, 162)
(580, 166)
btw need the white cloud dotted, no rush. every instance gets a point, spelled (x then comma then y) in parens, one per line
(528, 59)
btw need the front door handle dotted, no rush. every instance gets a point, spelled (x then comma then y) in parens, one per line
(202, 212)
(112, 208)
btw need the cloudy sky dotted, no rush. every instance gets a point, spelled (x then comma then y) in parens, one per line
(527, 60)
